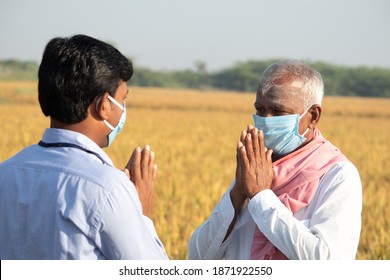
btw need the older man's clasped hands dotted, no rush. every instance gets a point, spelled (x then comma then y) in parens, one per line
(254, 164)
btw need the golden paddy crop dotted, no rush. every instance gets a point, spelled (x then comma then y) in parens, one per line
(194, 133)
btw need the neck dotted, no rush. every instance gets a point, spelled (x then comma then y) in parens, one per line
(276, 157)
(85, 127)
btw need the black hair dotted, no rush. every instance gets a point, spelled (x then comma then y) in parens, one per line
(74, 71)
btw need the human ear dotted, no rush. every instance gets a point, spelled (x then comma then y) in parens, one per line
(102, 106)
(315, 114)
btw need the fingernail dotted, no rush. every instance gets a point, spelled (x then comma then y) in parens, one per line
(152, 154)
(138, 149)
(155, 166)
(147, 147)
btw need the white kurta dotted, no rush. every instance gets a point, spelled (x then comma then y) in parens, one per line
(328, 228)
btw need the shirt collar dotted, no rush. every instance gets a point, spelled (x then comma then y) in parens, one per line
(56, 135)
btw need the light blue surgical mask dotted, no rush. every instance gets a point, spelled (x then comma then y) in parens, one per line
(281, 132)
(115, 130)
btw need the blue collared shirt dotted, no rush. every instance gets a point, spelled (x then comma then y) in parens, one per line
(67, 203)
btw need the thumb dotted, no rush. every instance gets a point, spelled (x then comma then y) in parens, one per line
(126, 171)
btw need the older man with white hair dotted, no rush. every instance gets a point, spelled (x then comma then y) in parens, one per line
(295, 195)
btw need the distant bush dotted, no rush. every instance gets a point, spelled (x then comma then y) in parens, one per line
(243, 76)
(18, 70)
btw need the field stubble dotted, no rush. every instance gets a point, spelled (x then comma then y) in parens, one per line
(194, 133)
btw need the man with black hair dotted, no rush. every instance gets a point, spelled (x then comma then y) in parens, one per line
(63, 198)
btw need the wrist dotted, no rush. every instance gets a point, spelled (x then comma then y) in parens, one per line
(253, 194)
(237, 197)
(237, 192)
(256, 191)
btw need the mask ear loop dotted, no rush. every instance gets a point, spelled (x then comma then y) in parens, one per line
(116, 102)
(105, 122)
(304, 113)
(306, 131)
(300, 117)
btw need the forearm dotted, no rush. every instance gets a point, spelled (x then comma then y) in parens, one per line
(285, 232)
(124, 232)
(330, 226)
(160, 252)
(237, 200)
(207, 241)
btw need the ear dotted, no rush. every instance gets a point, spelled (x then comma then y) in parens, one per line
(315, 114)
(102, 106)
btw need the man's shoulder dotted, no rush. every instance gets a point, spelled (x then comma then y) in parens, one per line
(104, 176)
(341, 174)
(73, 164)
(344, 167)
(19, 156)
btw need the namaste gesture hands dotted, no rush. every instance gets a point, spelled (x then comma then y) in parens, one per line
(142, 171)
(253, 172)
(254, 165)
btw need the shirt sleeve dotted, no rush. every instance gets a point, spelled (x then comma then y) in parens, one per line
(125, 233)
(333, 229)
(206, 242)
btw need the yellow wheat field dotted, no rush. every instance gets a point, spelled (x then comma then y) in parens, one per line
(194, 133)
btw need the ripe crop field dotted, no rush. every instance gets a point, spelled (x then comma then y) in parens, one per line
(194, 133)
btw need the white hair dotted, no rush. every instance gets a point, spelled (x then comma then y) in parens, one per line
(288, 71)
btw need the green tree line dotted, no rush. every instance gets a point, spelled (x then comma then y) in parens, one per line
(243, 76)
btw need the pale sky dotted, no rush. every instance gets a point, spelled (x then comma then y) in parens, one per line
(173, 34)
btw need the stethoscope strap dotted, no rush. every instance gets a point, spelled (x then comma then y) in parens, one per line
(69, 145)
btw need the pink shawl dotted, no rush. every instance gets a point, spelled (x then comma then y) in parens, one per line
(296, 178)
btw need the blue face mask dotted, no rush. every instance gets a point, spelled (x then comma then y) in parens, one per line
(281, 132)
(115, 130)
